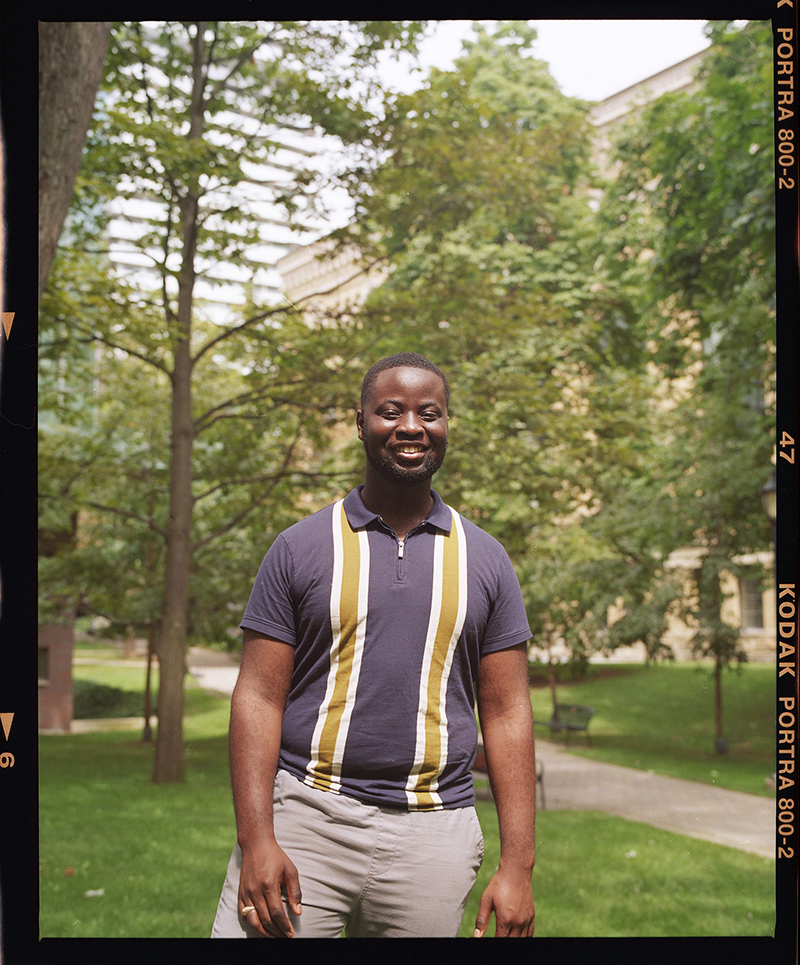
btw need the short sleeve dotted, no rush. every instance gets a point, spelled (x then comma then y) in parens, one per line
(507, 625)
(270, 609)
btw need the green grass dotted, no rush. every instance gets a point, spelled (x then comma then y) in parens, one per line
(129, 678)
(661, 718)
(159, 853)
(603, 877)
(98, 650)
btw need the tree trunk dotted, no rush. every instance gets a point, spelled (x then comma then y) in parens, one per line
(551, 676)
(169, 764)
(171, 645)
(71, 57)
(149, 563)
(720, 744)
(147, 732)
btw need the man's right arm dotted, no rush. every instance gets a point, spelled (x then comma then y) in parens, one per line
(257, 709)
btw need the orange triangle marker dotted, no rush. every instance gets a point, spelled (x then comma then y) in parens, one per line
(6, 721)
(8, 319)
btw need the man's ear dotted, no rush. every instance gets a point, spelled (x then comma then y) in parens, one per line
(360, 423)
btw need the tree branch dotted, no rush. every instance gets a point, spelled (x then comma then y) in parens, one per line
(245, 55)
(230, 332)
(263, 496)
(211, 415)
(232, 523)
(104, 340)
(127, 514)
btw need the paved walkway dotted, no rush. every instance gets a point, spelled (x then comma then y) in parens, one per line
(743, 821)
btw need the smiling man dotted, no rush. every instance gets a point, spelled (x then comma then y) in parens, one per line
(372, 627)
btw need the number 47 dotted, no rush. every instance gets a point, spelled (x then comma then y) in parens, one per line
(787, 441)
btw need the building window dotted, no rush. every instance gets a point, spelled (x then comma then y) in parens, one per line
(44, 666)
(751, 603)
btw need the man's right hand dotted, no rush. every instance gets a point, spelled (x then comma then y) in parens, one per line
(267, 874)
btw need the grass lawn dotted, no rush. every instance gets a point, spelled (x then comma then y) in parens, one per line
(122, 857)
(599, 876)
(129, 676)
(661, 718)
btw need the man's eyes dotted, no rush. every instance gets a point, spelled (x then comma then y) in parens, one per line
(428, 416)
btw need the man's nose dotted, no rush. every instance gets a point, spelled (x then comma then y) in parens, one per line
(410, 424)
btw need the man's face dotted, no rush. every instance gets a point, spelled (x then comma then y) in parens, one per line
(404, 424)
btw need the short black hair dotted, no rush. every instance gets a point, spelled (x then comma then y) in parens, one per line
(400, 360)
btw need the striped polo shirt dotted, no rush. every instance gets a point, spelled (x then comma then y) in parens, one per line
(388, 638)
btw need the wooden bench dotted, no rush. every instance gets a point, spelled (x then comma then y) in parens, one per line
(480, 767)
(569, 718)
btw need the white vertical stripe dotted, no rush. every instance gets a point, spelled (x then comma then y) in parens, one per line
(339, 520)
(430, 640)
(361, 630)
(336, 629)
(462, 612)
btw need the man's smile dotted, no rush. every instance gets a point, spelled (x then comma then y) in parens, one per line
(410, 449)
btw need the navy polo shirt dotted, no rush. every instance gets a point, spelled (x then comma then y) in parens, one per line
(388, 638)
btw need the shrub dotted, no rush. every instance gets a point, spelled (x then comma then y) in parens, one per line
(93, 700)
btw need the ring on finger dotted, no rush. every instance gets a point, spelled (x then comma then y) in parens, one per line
(247, 909)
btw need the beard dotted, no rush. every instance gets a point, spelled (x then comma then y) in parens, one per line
(390, 470)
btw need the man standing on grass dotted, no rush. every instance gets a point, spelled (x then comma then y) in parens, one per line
(370, 628)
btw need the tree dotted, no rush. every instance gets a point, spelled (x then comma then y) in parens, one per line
(71, 59)
(583, 346)
(690, 221)
(189, 113)
(482, 208)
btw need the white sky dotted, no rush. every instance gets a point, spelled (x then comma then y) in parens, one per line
(591, 59)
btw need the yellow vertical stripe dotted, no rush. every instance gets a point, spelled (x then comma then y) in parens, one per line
(349, 597)
(448, 608)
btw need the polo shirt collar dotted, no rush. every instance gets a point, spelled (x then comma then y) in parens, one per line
(358, 515)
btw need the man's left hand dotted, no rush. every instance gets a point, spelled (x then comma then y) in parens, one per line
(509, 896)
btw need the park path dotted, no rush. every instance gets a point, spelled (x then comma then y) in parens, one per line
(731, 818)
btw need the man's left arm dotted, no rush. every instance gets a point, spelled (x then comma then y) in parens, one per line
(504, 707)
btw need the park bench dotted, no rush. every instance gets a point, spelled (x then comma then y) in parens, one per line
(569, 718)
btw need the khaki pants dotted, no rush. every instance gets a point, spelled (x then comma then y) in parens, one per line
(375, 872)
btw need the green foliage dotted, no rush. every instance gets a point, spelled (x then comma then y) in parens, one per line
(692, 208)
(261, 431)
(483, 209)
(473, 143)
(94, 700)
